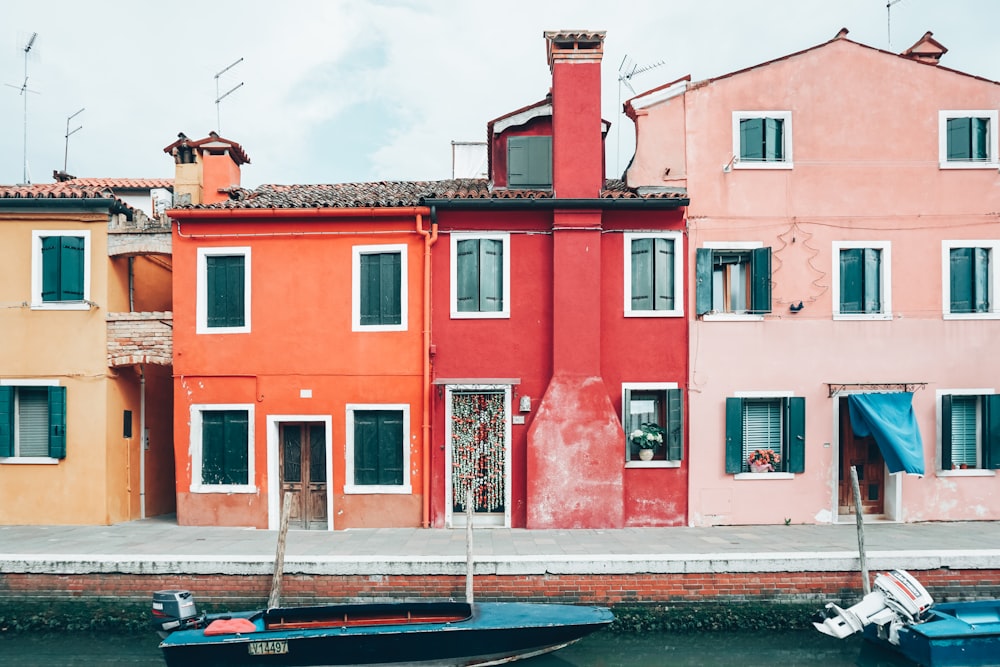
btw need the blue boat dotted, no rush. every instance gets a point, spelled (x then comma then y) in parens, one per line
(386, 634)
(900, 616)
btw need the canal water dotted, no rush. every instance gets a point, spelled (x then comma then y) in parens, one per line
(601, 650)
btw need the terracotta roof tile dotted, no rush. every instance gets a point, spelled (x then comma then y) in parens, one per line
(54, 191)
(124, 183)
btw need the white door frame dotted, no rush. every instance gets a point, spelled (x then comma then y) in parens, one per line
(274, 475)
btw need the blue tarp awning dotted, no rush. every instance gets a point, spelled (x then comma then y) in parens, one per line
(890, 420)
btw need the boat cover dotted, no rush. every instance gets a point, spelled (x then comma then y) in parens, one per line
(889, 418)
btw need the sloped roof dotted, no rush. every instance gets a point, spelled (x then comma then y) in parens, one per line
(125, 183)
(398, 194)
(63, 192)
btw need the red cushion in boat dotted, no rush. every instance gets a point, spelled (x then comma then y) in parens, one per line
(230, 626)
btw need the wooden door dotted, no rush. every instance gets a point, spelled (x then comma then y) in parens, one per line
(863, 454)
(303, 474)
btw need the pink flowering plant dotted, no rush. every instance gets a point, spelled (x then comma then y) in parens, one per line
(764, 458)
(647, 436)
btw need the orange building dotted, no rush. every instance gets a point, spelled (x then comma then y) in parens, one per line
(85, 354)
(300, 316)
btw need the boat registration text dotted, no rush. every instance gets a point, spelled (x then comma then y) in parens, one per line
(274, 647)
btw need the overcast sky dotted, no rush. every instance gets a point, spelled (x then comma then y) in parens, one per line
(352, 90)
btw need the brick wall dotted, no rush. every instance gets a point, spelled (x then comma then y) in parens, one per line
(231, 592)
(140, 338)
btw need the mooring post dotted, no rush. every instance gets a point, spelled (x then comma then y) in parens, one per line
(279, 558)
(866, 583)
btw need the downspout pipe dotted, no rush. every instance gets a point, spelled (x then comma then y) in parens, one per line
(425, 425)
(142, 443)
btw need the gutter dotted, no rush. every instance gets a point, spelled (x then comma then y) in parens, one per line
(550, 203)
(113, 205)
(326, 212)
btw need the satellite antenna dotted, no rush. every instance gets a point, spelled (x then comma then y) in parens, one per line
(888, 20)
(66, 153)
(219, 98)
(24, 93)
(626, 70)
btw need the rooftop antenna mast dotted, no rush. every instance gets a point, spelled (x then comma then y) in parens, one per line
(24, 93)
(888, 20)
(626, 70)
(219, 98)
(66, 153)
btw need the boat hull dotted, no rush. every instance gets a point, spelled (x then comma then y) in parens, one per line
(491, 633)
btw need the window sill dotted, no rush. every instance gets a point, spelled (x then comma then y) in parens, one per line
(731, 317)
(972, 316)
(740, 164)
(375, 328)
(969, 165)
(968, 472)
(465, 315)
(654, 313)
(763, 475)
(360, 489)
(29, 460)
(652, 464)
(61, 305)
(861, 317)
(223, 488)
(221, 330)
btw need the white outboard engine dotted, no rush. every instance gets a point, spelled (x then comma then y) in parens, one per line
(896, 599)
(174, 610)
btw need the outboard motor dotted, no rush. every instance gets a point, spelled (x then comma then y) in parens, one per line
(896, 599)
(174, 610)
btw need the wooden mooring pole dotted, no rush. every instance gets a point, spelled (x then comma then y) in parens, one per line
(468, 546)
(866, 581)
(279, 558)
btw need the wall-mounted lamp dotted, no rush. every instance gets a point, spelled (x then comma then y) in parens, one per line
(525, 404)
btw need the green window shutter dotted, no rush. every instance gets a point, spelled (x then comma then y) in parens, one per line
(872, 280)
(703, 278)
(390, 286)
(960, 280)
(946, 436)
(760, 280)
(529, 161)
(752, 139)
(541, 161)
(491, 275)
(981, 279)
(237, 441)
(959, 131)
(642, 274)
(213, 437)
(663, 274)
(517, 161)
(51, 282)
(365, 447)
(370, 292)
(796, 433)
(225, 296)
(390, 448)
(6, 421)
(991, 431)
(57, 422)
(675, 425)
(774, 140)
(734, 435)
(850, 280)
(225, 436)
(980, 135)
(71, 264)
(467, 275)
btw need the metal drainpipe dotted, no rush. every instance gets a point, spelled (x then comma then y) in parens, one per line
(142, 443)
(429, 239)
(131, 284)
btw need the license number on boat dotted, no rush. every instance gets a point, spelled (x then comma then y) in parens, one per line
(275, 647)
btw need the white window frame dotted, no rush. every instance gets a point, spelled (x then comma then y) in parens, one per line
(197, 486)
(349, 486)
(678, 279)
(786, 135)
(994, 279)
(504, 313)
(356, 253)
(945, 115)
(645, 386)
(778, 395)
(201, 302)
(29, 460)
(885, 279)
(37, 266)
(968, 472)
(735, 246)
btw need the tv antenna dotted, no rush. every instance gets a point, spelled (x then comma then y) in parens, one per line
(628, 69)
(24, 90)
(888, 20)
(66, 153)
(219, 98)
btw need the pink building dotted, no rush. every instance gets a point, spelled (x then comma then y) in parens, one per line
(844, 234)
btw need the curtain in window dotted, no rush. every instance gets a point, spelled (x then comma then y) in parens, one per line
(889, 418)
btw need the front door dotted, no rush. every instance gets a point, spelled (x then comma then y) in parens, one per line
(303, 473)
(863, 454)
(478, 456)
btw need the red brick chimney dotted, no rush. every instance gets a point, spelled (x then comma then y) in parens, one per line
(577, 143)
(205, 169)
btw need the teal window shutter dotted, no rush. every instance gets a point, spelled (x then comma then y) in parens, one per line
(872, 279)
(237, 441)
(642, 274)
(963, 435)
(734, 435)
(774, 149)
(851, 280)
(663, 274)
(795, 431)
(71, 264)
(57, 422)
(467, 275)
(225, 440)
(213, 436)
(980, 134)
(51, 280)
(991, 431)
(381, 288)
(752, 139)
(390, 448)
(371, 312)
(946, 436)
(959, 131)
(760, 271)
(365, 447)
(225, 304)
(675, 425)
(981, 279)
(529, 162)
(703, 278)
(491, 275)
(960, 280)
(6, 422)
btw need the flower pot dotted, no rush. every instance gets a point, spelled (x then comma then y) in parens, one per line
(763, 468)
(645, 454)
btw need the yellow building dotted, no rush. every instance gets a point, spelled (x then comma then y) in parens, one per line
(85, 353)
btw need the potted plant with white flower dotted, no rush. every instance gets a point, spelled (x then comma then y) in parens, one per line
(648, 437)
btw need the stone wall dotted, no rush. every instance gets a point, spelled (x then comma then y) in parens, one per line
(140, 338)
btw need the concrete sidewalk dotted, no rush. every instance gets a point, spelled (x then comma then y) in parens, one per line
(159, 546)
